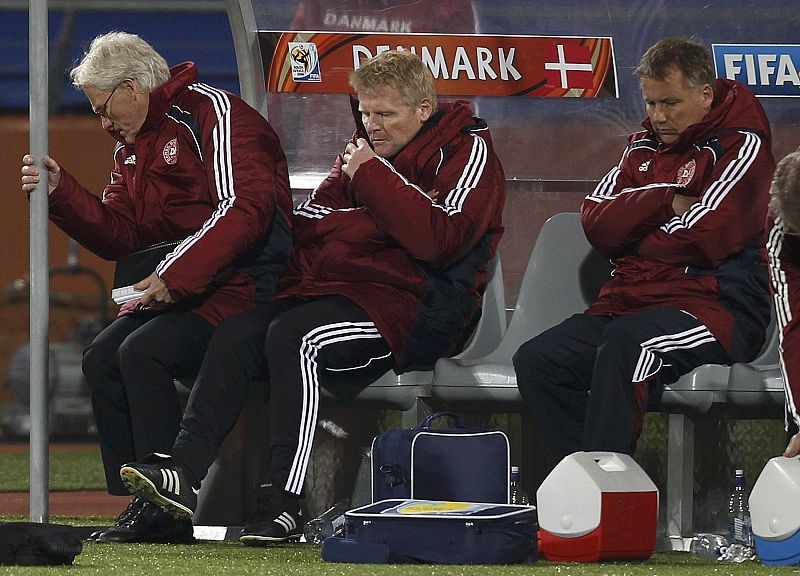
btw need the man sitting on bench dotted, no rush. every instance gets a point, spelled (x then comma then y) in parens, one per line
(390, 262)
(682, 219)
(195, 168)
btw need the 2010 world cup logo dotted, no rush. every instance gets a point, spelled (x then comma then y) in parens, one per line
(302, 56)
(304, 61)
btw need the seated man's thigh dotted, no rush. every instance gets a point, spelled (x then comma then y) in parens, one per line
(563, 354)
(176, 340)
(332, 336)
(100, 357)
(663, 341)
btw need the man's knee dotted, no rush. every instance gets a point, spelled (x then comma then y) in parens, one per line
(283, 332)
(135, 351)
(240, 335)
(520, 360)
(99, 361)
(529, 360)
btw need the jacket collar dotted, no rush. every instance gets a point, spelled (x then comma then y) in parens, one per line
(163, 97)
(734, 106)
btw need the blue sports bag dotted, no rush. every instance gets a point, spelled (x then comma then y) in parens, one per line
(456, 464)
(424, 531)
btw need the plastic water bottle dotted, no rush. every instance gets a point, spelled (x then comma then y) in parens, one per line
(708, 546)
(738, 553)
(518, 495)
(329, 523)
(739, 513)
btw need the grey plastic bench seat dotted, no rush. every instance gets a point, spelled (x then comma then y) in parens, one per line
(563, 276)
(758, 386)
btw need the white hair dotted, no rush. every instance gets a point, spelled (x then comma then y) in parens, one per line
(116, 56)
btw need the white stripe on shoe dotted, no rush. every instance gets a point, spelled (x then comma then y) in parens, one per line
(170, 481)
(286, 521)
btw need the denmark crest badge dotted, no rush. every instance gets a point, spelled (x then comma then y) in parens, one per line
(171, 151)
(686, 173)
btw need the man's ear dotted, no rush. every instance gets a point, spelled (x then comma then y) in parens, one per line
(425, 109)
(708, 96)
(132, 87)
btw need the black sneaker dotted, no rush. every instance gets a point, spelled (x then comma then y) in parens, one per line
(96, 534)
(281, 520)
(142, 521)
(130, 511)
(162, 482)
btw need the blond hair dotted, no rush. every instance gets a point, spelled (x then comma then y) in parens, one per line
(399, 69)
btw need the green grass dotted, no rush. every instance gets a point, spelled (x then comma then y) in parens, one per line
(82, 470)
(78, 470)
(231, 558)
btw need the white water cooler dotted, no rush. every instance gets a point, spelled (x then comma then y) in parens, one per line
(597, 506)
(775, 512)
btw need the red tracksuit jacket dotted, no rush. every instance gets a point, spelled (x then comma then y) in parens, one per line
(417, 266)
(709, 261)
(207, 169)
(784, 259)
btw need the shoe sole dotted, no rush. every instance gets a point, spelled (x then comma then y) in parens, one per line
(252, 540)
(141, 486)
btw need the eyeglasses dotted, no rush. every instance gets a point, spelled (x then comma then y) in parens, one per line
(103, 110)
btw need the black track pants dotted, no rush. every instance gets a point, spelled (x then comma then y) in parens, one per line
(585, 381)
(130, 368)
(299, 346)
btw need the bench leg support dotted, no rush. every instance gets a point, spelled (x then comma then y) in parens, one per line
(680, 479)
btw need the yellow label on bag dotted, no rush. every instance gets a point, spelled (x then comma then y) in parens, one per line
(434, 507)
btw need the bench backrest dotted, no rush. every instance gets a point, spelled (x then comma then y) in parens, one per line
(563, 276)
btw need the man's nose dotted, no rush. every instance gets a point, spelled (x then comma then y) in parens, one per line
(372, 123)
(659, 114)
(106, 123)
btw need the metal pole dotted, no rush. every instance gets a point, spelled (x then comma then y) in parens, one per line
(252, 85)
(39, 292)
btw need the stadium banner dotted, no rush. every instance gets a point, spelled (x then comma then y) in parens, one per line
(462, 64)
(769, 70)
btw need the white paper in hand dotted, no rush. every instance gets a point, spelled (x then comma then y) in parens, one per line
(126, 294)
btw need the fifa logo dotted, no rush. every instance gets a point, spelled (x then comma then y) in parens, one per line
(304, 60)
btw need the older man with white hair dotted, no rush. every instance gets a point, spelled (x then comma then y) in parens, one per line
(196, 167)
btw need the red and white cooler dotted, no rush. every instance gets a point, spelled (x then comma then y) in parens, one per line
(597, 506)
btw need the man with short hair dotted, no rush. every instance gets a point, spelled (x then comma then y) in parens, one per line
(783, 246)
(390, 262)
(682, 219)
(194, 166)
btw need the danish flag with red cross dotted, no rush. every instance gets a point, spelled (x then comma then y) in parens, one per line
(568, 66)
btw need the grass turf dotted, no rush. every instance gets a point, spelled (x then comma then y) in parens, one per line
(74, 470)
(229, 558)
(82, 470)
